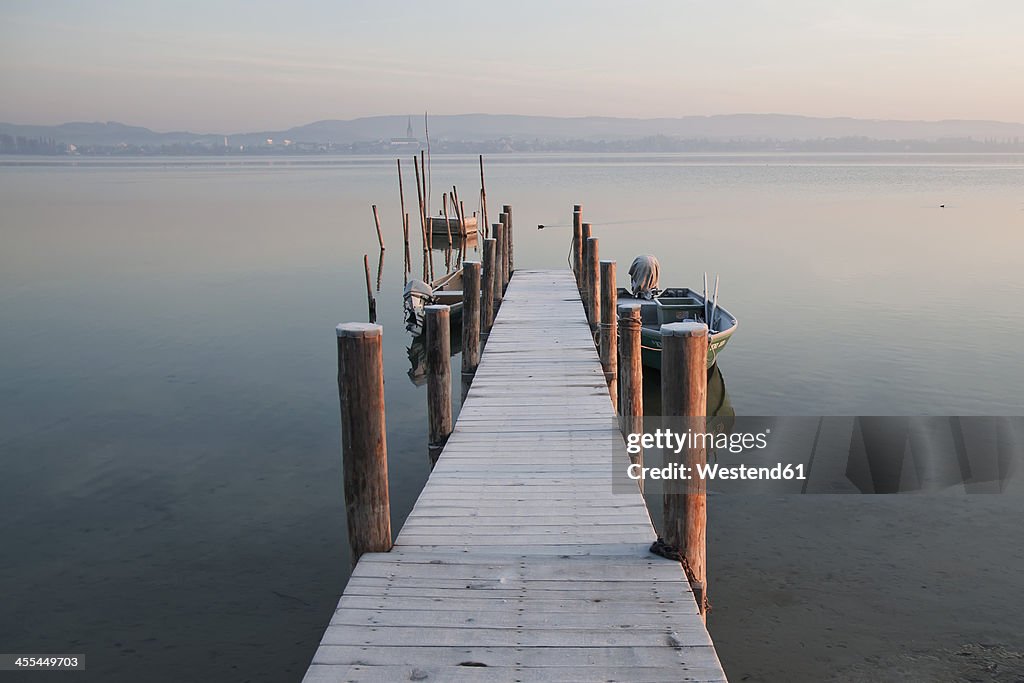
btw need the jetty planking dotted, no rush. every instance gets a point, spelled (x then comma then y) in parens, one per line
(519, 562)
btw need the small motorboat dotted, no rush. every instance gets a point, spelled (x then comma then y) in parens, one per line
(445, 290)
(675, 304)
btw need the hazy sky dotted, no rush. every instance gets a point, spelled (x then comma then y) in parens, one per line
(212, 66)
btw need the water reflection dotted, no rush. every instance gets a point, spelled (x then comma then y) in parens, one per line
(417, 352)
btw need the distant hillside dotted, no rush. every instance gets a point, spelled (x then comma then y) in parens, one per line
(536, 130)
(479, 127)
(109, 133)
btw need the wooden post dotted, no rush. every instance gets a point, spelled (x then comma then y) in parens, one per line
(483, 198)
(405, 232)
(505, 273)
(427, 264)
(405, 217)
(609, 330)
(592, 295)
(470, 322)
(507, 208)
(684, 385)
(577, 243)
(439, 378)
(631, 377)
(487, 275)
(376, 221)
(370, 301)
(364, 438)
(585, 230)
(497, 232)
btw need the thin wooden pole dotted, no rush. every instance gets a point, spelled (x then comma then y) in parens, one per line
(380, 269)
(631, 377)
(426, 194)
(487, 288)
(609, 330)
(577, 243)
(470, 322)
(370, 301)
(447, 227)
(423, 221)
(364, 438)
(405, 231)
(511, 240)
(503, 217)
(593, 283)
(463, 230)
(439, 378)
(483, 197)
(429, 170)
(405, 217)
(376, 221)
(684, 386)
(499, 286)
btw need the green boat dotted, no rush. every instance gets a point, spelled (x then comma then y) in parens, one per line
(674, 305)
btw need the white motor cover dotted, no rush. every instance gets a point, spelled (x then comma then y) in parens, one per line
(417, 296)
(644, 274)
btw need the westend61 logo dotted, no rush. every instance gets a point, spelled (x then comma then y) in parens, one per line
(674, 443)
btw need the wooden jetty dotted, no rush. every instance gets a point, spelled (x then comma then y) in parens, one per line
(519, 562)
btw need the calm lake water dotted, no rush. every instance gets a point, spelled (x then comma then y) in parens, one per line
(171, 500)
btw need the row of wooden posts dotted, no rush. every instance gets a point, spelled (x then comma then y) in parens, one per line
(684, 352)
(361, 386)
(617, 332)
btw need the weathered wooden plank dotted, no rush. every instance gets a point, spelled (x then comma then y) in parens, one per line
(518, 561)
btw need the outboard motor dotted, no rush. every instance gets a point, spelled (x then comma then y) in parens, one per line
(417, 296)
(643, 277)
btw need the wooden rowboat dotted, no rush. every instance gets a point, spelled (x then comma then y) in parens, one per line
(679, 304)
(445, 290)
(438, 225)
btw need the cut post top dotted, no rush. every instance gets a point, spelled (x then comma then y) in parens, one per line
(365, 330)
(437, 307)
(689, 328)
(577, 208)
(606, 261)
(630, 310)
(474, 263)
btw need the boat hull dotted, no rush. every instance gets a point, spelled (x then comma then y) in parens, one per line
(650, 347)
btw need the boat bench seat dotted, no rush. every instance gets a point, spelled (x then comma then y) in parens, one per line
(449, 295)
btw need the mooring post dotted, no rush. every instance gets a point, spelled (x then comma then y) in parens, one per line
(593, 282)
(498, 234)
(364, 438)
(371, 302)
(503, 244)
(470, 322)
(487, 275)
(376, 221)
(507, 208)
(577, 243)
(439, 378)
(585, 232)
(684, 386)
(609, 330)
(631, 377)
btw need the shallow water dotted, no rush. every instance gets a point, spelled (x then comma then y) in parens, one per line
(171, 503)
